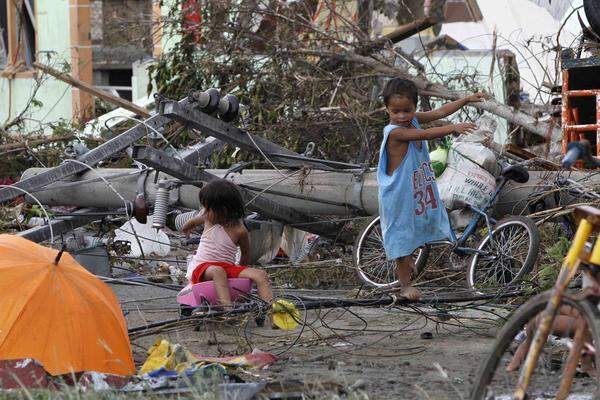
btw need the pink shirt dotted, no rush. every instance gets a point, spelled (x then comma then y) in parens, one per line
(215, 245)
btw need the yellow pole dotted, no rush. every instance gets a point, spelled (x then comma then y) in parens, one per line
(567, 271)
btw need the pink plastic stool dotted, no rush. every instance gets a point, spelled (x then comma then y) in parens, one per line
(204, 292)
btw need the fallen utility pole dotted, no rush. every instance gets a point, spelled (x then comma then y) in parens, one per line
(94, 91)
(267, 208)
(317, 194)
(90, 158)
(313, 193)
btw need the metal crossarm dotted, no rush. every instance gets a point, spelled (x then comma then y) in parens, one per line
(242, 139)
(42, 233)
(91, 158)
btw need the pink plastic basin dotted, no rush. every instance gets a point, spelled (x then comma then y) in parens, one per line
(194, 295)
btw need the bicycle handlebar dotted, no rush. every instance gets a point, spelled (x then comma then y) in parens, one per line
(571, 157)
(581, 150)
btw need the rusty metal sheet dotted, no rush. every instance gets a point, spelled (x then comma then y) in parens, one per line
(23, 373)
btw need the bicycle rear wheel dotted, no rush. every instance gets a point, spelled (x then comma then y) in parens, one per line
(493, 381)
(505, 257)
(370, 261)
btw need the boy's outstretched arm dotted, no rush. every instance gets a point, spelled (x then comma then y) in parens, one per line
(408, 134)
(449, 108)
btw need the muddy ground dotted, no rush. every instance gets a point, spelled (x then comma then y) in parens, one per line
(372, 352)
(378, 351)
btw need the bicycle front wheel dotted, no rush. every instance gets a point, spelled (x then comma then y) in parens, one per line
(505, 256)
(495, 382)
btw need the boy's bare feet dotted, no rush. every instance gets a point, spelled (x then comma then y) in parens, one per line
(411, 293)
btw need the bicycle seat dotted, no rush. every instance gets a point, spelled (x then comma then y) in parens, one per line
(591, 214)
(515, 173)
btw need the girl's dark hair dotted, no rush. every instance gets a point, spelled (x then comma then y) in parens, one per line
(402, 88)
(225, 201)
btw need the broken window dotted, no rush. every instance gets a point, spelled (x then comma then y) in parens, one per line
(17, 27)
(27, 30)
(3, 34)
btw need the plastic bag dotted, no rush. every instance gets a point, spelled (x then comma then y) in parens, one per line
(438, 159)
(153, 242)
(484, 133)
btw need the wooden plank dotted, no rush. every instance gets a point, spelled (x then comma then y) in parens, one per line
(400, 33)
(94, 91)
(527, 155)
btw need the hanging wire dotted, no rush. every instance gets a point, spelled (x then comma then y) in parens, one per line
(111, 187)
(148, 127)
(41, 206)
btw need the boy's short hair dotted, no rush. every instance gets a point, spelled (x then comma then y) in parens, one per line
(402, 88)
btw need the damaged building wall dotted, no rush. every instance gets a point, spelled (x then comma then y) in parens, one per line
(91, 38)
(17, 83)
(523, 27)
(121, 36)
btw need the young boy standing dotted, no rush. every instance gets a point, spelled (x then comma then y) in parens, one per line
(410, 208)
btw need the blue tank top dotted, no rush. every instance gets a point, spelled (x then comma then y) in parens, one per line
(410, 207)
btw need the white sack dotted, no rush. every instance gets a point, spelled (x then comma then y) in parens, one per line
(465, 182)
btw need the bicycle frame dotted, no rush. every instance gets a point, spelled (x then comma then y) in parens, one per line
(470, 229)
(569, 268)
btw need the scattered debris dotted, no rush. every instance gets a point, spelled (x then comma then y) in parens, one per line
(295, 127)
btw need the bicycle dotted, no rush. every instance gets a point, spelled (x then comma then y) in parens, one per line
(503, 257)
(554, 311)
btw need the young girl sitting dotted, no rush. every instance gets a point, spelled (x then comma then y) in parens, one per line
(223, 233)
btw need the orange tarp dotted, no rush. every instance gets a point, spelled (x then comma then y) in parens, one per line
(59, 314)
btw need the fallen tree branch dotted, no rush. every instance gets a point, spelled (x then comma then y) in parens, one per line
(30, 143)
(94, 91)
(437, 90)
(398, 34)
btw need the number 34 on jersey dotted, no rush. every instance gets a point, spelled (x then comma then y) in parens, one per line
(423, 193)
